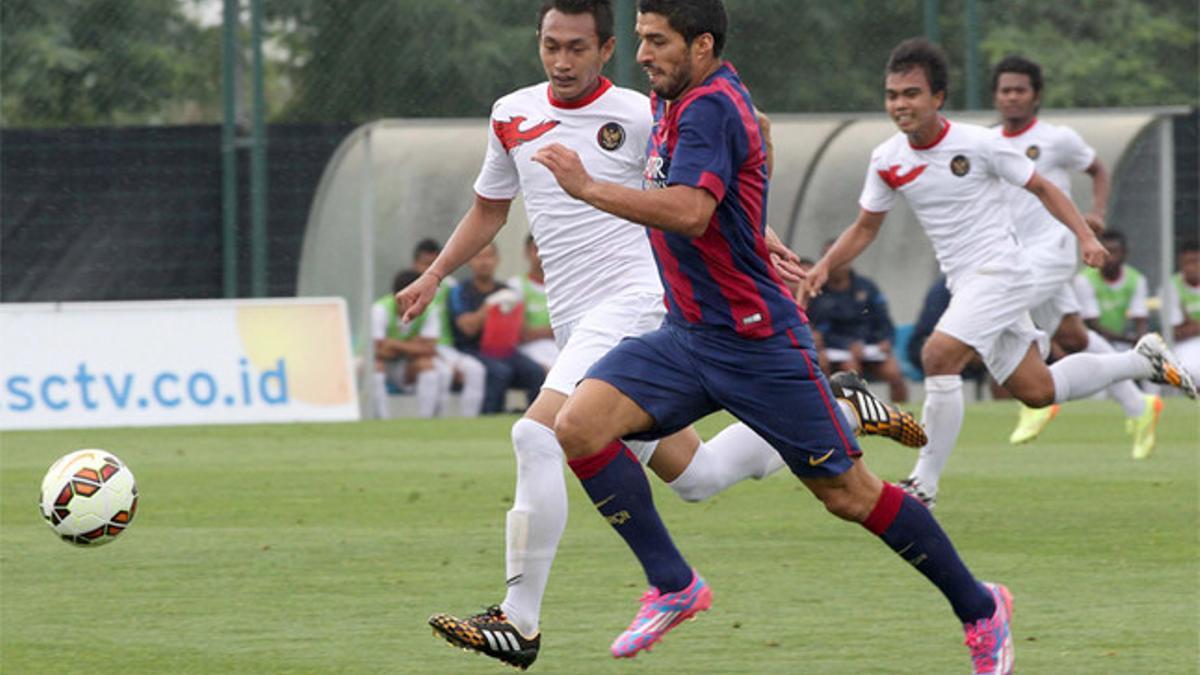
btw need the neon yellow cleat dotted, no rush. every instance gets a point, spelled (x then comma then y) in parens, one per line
(1144, 427)
(1030, 423)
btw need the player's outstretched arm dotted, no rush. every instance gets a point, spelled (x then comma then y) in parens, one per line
(680, 209)
(1101, 184)
(848, 246)
(1061, 207)
(477, 227)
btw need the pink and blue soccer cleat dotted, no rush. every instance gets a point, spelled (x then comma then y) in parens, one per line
(660, 613)
(990, 640)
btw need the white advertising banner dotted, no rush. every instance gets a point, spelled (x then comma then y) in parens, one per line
(106, 364)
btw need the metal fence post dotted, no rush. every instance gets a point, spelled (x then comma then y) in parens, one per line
(1166, 214)
(229, 229)
(258, 161)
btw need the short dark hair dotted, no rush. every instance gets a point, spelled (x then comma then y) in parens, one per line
(1021, 65)
(601, 11)
(1114, 235)
(692, 18)
(403, 278)
(426, 245)
(1189, 246)
(923, 54)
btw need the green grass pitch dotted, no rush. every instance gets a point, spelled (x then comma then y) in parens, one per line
(324, 548)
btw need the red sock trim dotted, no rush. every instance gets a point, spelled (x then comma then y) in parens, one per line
(885, 510)
(586, 467)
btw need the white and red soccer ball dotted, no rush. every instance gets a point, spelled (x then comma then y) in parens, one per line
(89, 497)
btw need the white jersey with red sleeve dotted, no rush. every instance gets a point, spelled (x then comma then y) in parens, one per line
(955, 186)
(588, 255)
(1056, 151)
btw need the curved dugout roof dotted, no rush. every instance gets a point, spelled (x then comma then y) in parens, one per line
(423, 172)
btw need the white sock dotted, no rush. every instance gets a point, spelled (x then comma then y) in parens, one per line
(428, 391)
(1081, 375)
(535, 524)
(473, 377)
(943, 418)
(849, 414)
(733, 455)
(380, 395)
(445, 379)
(1125, 393)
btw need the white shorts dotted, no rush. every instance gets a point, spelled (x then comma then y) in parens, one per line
(871, 354)
(989, 310)
(1054, 264)
(582, 342)
(543, 351)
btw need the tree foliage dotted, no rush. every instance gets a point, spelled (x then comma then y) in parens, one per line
(1103, 52)
(363, 59)
(77, 62)
(89, 62)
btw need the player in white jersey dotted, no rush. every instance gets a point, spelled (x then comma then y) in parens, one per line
(953, 177)
(601, 284)
(1058, 151)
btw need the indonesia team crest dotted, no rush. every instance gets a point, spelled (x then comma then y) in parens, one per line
(611, 136)
(1033, 152)
(960, 165)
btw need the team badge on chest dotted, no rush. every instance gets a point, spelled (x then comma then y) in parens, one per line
(1033, 152)
(960, 165)
(611, 136)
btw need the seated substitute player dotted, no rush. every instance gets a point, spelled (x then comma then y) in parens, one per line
(406, 353)
(1113, 298)
(537, 337)
(600, 287)
(1057, 152)
(462, 369)
(852, 318)
(952, 177)
(475, 318)
(1181, 304)
(734, 338)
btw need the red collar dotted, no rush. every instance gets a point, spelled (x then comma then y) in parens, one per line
(1018, 132)
(942, 134)
(605, 85)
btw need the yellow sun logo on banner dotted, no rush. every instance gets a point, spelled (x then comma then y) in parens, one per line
(309, 340)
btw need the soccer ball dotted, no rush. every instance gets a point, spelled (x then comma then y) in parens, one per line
(89, 497)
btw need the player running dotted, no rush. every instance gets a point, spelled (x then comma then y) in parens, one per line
(734, 338)
(1057, 151)
(953, 177)
(601, 287)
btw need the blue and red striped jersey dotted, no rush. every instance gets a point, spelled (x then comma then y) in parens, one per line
(709, 139)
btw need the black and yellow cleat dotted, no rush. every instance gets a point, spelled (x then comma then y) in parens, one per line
(488, 633)
(876, 418)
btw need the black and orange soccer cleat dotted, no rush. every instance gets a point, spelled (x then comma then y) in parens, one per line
(488, 633)
(1167, 368)
(876, 418)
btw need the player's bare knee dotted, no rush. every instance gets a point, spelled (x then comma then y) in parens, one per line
(1072, 339)
(845, 504)
(1035, 392)
(574, 434)
(1036, 396)
(934, 362)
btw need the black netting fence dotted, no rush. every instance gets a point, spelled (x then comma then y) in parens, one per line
(111, 109)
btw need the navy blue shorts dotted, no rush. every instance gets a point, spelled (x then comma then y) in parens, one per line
(679, 375)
